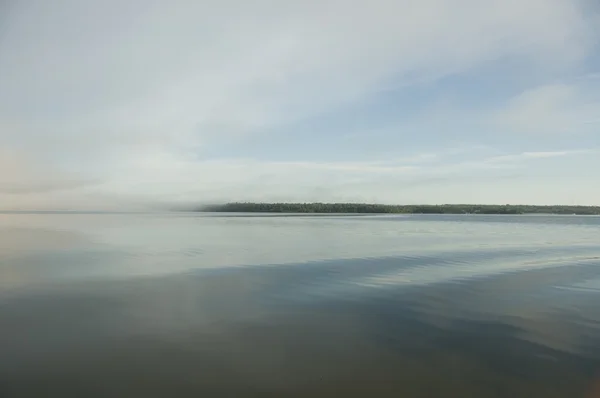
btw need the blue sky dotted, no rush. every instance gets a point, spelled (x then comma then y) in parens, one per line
(129, 104)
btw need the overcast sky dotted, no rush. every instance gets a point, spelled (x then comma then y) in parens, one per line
(120, 104)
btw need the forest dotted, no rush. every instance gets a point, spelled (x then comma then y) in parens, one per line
(366, 208)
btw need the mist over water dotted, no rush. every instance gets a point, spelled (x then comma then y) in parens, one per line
(188, 305)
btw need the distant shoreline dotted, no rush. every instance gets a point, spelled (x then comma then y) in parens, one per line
(367, 208)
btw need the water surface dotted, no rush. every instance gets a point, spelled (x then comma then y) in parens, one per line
(189, 304)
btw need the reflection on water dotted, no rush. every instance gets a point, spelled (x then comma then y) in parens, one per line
(188, 305)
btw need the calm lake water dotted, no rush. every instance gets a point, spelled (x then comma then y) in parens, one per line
(207, 305)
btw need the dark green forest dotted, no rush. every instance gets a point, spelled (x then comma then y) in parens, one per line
(365, 208)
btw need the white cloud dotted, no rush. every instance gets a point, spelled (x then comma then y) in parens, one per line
(169, 180)
(555, 108)
(180, 66)
(163, 180)
(126, 92)
(526, 156)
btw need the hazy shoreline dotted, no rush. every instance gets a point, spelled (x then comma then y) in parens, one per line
(369, 208)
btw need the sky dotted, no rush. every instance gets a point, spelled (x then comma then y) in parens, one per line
(153, 104)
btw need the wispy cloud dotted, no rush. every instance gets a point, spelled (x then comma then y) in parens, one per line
(555, 108)
(527, 156)
(118, 99)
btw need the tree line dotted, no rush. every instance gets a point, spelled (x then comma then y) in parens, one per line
(366, 208)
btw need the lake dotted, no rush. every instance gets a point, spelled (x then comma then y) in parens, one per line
(248, 305)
